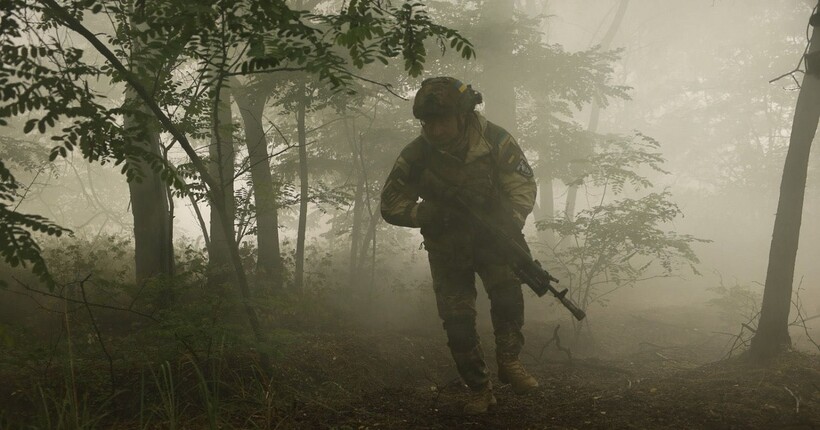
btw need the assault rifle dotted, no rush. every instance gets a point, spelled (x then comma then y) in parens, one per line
(528, 270)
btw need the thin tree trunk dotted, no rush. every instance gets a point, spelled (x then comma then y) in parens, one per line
(546, 208)
(367, 244)
(572, 197)
(595, 109)
(370, 244)
(358, 206)
(356, 228)
(221, 152)
(303, 196)
(269, 267)
(772, 334)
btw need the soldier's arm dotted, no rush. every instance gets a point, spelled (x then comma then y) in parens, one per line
(516, 180)
(399, 194)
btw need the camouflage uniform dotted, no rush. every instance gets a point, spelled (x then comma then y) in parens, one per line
(493, 166)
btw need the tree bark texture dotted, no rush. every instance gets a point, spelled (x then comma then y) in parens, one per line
(269, 267)
(772, 334)
(221, 166)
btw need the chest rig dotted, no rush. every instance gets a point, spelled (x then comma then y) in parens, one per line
(476, 173)
(462, 243)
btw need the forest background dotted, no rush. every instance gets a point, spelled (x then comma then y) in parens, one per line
(657, 132)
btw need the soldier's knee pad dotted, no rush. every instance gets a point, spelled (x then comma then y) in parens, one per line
(507, 301)
(461, 333)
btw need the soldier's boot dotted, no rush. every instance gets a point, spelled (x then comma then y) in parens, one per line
(480, 400)
(511, 371)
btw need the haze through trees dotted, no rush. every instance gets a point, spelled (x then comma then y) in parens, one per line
(240, 44)
(276, 122)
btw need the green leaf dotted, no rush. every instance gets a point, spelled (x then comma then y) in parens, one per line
(29, 125)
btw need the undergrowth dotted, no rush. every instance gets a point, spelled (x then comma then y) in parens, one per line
(98, 351)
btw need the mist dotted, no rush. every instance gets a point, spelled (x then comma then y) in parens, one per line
(211, 215)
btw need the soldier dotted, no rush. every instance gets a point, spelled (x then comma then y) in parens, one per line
(460, 156)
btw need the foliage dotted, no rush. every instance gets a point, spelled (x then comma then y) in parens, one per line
(17, 244)
(620, 242)
(264, 37)
(53, 82)
(617, 161)
(176, 354)
(551, 86)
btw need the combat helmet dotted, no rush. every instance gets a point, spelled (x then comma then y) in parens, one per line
(443, 96)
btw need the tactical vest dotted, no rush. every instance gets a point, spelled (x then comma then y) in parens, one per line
(462, 243)
(479, 176)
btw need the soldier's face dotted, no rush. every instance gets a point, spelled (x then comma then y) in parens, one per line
(441, 131)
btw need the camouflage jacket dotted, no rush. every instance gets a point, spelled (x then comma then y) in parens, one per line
(493, 166)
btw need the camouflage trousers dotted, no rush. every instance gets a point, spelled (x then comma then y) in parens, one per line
(455, 290)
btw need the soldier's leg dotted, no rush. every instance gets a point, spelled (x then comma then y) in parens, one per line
(455, 297)
(506, 307)
(507, 310)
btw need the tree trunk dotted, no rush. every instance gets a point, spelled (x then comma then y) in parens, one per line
(359, 197)
(146, 96)
(595, 109)
(269, 267)
(368, 245)
(153, 224)
(772, 334)
(356, 228)
(153, 227)
(303, 194)
(221, 166)
(546, 208)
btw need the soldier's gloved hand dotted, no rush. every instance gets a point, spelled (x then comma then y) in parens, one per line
(471, 198)
(444, 191)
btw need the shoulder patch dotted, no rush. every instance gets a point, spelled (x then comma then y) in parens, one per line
(523, 168)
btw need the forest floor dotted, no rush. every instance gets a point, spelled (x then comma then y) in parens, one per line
(662, 368)
(641, 373)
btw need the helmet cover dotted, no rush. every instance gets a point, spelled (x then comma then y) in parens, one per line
(444, 96)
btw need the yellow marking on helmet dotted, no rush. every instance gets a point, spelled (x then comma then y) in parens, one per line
(462, 88)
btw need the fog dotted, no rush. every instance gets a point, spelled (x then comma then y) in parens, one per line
(657, 133)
